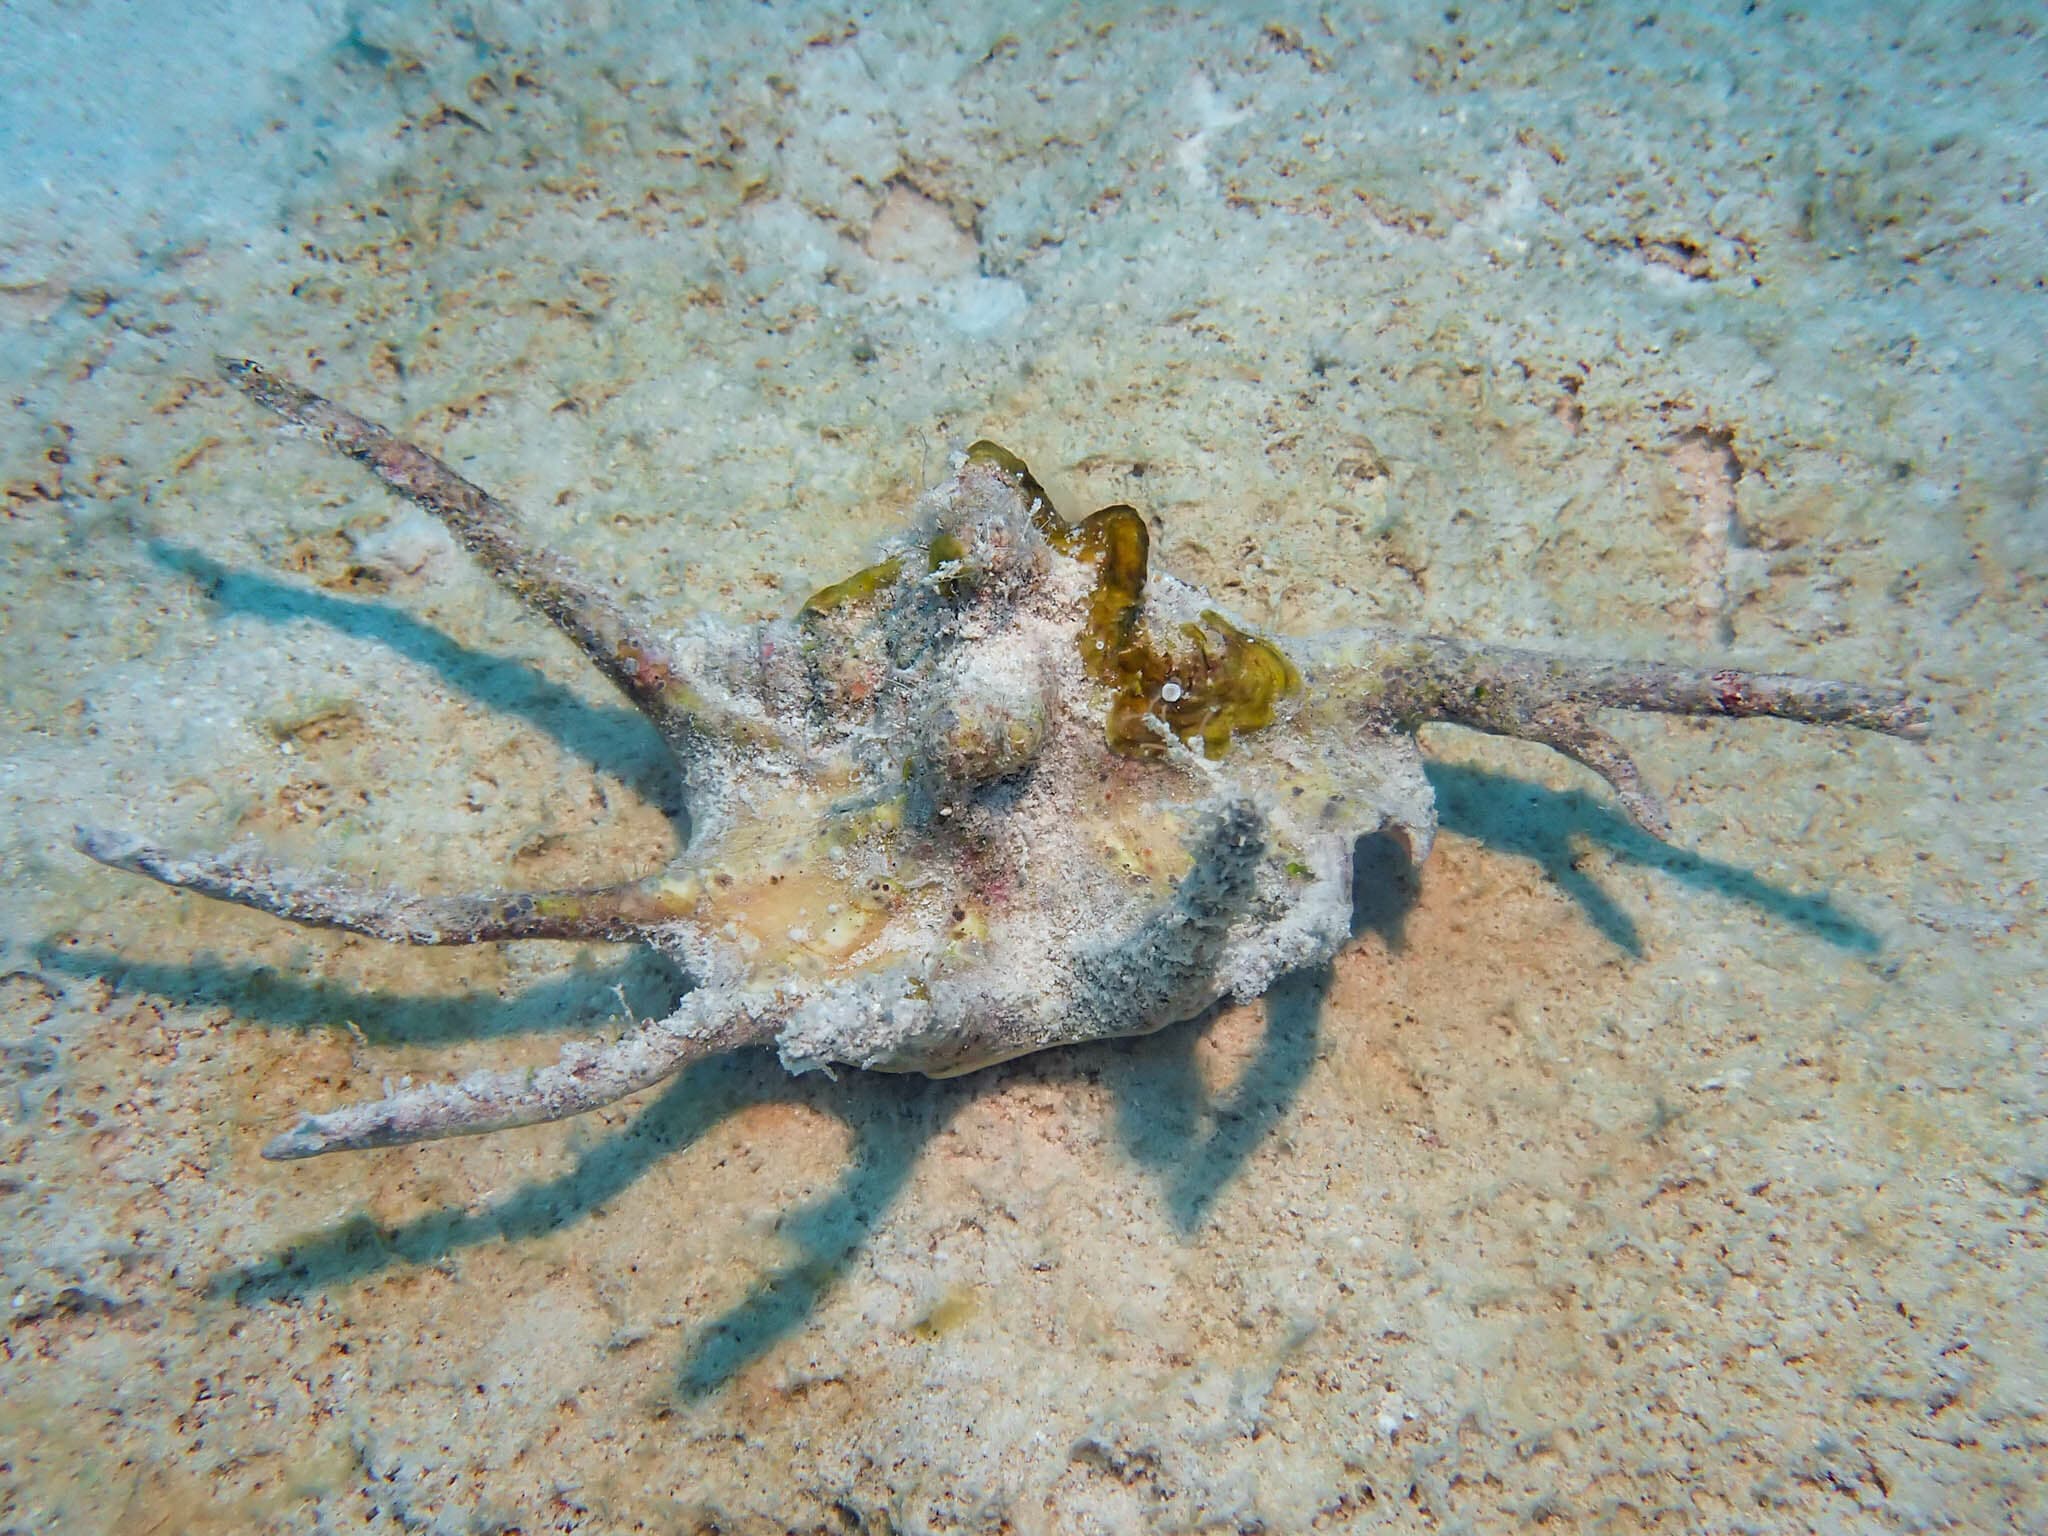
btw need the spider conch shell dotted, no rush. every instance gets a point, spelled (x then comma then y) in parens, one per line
(1045, 859)
(1006, 788)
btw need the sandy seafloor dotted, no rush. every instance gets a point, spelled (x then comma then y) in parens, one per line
(1598, 1185)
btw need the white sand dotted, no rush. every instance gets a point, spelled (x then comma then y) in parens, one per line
(1632, 1188)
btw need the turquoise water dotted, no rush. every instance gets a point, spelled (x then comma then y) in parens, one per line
(1597, 1181)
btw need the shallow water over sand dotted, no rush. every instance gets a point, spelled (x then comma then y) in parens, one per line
(1599, 1181)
